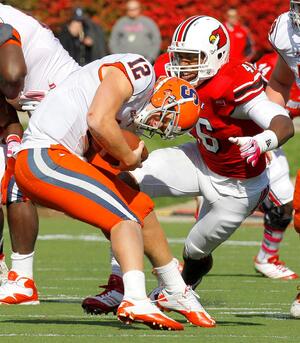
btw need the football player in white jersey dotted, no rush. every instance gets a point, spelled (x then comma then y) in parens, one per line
(277, 207)
(92, 105)
(31, 59)
(285, 38)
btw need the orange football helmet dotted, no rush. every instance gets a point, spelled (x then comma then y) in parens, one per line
(176, 106)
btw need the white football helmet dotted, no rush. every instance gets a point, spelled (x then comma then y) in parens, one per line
(205, 37)
(295, 12)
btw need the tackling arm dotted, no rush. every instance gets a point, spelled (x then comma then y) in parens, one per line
(271, 117)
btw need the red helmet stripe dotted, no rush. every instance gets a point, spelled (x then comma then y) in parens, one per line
(183, 28)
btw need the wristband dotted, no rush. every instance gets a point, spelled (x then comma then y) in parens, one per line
(267, 140)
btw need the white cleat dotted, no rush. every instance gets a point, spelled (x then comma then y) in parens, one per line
(295, 308)
(18, 290)
(145, 312)
(185, 303)
(273, 268)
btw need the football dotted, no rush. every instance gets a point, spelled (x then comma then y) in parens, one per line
(133, 141)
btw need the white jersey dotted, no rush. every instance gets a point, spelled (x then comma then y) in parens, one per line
(286, 41)
(61, 118)
(48, 63)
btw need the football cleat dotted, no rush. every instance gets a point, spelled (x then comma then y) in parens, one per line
(295, 308)
(185, 303)
(107, 301)
(273, 268)
(3, 269)
(145, 312)
(18, 290)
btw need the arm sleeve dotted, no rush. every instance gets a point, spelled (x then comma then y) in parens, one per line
(260, 109)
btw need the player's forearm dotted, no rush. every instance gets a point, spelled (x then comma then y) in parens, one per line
(283, 128)
(108, 135)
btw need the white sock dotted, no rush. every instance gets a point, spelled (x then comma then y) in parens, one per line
(134, 285)
(170, 277)
(22, 264)
(115, 267)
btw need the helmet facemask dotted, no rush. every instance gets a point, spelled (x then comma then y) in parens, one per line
(200, 68)
(169, 110)
(295, 13)
(172, 111)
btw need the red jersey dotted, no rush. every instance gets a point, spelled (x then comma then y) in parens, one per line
(266, 65)
(160, 65)
(233, 85)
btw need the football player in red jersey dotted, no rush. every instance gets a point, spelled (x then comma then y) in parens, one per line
(226, 165)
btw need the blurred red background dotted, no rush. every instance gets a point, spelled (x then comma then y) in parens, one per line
(257, 15)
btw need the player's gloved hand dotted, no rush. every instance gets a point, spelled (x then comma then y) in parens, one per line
(13, 143)
(252, 147)
(249, 148)
(31, 99)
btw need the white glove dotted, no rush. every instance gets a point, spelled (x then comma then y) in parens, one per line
(252, 147)
(31, 99)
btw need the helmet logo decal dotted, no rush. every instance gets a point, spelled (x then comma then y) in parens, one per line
(218, 37)
(187, 92)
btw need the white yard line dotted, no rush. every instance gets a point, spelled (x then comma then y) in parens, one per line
(96, 238)
(170, 335)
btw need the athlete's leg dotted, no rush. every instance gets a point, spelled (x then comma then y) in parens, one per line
(278, 210)
(60, 180)
(23, 226)
(217, 222)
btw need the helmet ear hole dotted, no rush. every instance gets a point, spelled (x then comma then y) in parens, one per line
(220, 55)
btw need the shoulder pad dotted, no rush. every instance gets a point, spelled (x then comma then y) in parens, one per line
(248, 83)
(6, 33)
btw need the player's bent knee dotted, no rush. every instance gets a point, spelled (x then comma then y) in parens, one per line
(193, 252)
(278, 217)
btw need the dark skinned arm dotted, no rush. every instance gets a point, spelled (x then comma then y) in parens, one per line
(9, 120)
(12, 70)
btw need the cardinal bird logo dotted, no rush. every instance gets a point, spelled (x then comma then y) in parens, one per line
(218, 37)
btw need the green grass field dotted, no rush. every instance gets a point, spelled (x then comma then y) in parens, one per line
(72, 260)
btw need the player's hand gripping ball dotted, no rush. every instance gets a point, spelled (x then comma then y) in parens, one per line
(132, 140)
